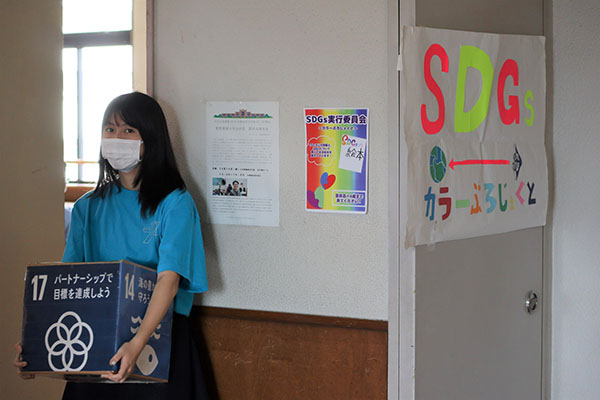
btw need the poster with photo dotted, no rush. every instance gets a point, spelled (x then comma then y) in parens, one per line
(336, 159)
(243, 163)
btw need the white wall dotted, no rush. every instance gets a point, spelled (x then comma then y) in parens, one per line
(576, 230)
(313, 53)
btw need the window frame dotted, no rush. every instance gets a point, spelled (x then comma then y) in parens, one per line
(79, 41)
(141, 38)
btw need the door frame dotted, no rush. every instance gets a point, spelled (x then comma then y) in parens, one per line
(401, 314)
(548, 228)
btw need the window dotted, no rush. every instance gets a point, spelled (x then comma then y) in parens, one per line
(97, 66)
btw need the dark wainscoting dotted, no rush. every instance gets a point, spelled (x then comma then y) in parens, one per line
(259, 355)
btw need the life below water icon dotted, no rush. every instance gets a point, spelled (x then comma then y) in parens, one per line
(147, 360)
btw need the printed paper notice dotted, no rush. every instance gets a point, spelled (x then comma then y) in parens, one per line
(243, 162)
(336, 159)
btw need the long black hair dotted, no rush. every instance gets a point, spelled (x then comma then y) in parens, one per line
(158, 174)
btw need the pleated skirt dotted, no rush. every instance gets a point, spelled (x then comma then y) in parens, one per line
(186, 379)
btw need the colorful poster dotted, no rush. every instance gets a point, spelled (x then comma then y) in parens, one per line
(336, 159)
(243, 162)
(473, 119)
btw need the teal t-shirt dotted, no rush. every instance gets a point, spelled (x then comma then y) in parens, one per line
(112, 229)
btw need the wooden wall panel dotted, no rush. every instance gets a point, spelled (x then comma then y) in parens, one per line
(264, 355)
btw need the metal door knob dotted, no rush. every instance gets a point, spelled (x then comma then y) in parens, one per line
(532, 302)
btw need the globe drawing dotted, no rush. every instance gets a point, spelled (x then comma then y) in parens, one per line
(437, 164)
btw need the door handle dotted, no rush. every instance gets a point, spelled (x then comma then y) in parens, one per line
(531, 304)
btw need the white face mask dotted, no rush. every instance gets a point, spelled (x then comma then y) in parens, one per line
(122, 154)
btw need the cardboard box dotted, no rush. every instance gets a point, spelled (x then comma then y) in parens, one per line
(76, 316)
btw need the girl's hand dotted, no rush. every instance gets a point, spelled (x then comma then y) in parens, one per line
(128, 354)
(167, 284)
(19, 363)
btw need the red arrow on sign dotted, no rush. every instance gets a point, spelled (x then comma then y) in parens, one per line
(478, 162)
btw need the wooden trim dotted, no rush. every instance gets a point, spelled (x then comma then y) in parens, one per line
(74, 192)
(305, 319)
(150, 47)
(81, 162)
(143, 46)
(138, 39)
(262, 355)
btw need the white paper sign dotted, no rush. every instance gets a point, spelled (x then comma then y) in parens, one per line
(243, 162)
(352, 155)
(474, 115)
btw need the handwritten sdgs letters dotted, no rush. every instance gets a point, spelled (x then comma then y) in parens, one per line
(473, 119)
(76, 316)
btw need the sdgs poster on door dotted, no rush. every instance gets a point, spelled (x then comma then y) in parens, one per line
(474, 114)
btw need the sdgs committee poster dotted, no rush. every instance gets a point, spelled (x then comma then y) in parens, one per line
(336, 159)
(474, 114)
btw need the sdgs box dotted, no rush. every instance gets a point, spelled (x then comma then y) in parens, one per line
(76, 316)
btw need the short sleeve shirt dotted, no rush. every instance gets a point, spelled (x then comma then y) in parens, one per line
(112, 228)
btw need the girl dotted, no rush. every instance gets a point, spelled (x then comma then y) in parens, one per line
(141, 211)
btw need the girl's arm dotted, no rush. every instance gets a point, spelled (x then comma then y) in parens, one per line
(165, 290)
